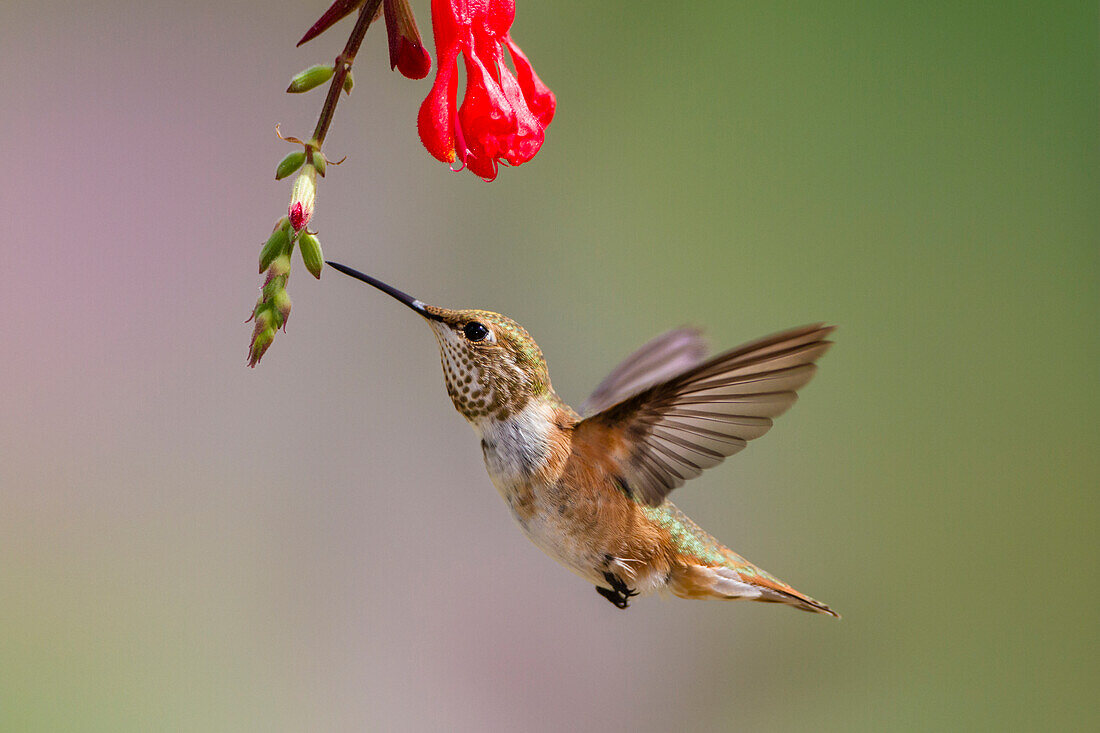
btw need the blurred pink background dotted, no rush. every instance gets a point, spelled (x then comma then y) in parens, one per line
(187, 544)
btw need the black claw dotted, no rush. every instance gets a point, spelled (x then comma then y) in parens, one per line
(611, 596)
(619, 586)
(619, 594)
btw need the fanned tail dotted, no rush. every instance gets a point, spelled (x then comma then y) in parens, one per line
(740, 580)
(705, 568)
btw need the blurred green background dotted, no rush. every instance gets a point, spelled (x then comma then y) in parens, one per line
(187, 544)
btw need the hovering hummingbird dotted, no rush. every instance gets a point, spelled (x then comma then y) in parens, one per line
(590, 491)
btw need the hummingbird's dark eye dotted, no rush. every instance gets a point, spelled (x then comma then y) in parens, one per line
(475, 331)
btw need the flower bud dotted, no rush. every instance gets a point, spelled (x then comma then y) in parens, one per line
(290, 164)
(273, 307)
(310, 248)
(312, 77)
(261, 339)
(317, 160)
(407, 52)
(281, 303)
(349, 83)
(302, 197)
(263, 317)
(274, 247)
(277, 275)
(280, 266)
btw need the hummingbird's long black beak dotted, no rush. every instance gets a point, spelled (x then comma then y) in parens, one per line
(405, 298)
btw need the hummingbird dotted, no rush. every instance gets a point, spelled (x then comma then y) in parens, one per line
(590, 488)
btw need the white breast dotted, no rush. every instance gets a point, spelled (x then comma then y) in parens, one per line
(518, 447)
(514, 450)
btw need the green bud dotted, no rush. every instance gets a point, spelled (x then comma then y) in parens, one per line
(261, 339)
(319, 162)
(311, 254)
(275, 246)
(271, 288)
(290, 164)
(280, 265)
(349, 83)
(312, 77)
(277, 274)
(281, 303)
(264, 318)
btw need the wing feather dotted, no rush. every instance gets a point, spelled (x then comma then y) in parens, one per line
(659, 359)
(694, 419)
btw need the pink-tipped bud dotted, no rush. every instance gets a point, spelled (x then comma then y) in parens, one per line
(261, 340)
(302, 198)
(262, 317)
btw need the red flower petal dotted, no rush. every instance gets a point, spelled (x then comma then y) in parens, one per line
(486, 116)
(436, 120)
(503, 114)
(539, 97)
(483, 167)
(499, 16)
(298, 216)
(528, 135)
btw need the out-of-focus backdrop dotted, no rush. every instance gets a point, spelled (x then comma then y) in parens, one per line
(187, 544)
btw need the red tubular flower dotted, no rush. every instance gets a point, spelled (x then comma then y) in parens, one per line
(503, 114)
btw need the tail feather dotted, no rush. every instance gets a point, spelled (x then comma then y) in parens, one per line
(705, 568)
(741, 580)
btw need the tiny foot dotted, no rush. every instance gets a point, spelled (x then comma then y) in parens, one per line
(619, 594)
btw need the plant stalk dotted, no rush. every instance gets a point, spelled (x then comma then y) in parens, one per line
(342, 66)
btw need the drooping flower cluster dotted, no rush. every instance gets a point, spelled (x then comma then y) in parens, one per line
(273, 307)
(502, 119)
(503, 114)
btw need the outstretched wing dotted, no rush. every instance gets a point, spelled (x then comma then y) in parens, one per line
(670, 432)
(659, 359)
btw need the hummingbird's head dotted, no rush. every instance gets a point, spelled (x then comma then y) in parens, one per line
(491, 365)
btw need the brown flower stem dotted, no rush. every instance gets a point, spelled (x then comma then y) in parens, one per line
(343, 64)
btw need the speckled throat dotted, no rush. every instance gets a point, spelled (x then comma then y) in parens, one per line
(490, 380)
